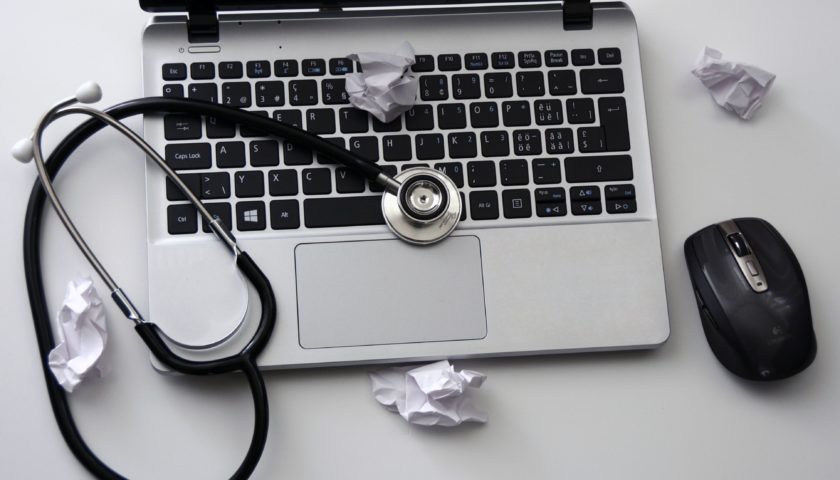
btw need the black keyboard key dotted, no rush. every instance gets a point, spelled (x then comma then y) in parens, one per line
(282, 182)
(549, 195)
(592, 207)
(303, 92)
(589, 192)
(466, 85)
(517, 203)
(423, 63)
(203, 91)
(453, 170)
(419, 117)
(529, 59)
(286, 68)
(451, 116)
(316, 181)
(513, 172)
(580, 110)
(620, 192)
(230, 154)
(249, 184)
(188, 156)
(476, 61)
(270, 94)
(219, 128)
(314, 67)
(609, 56)
(461, 145)
(292, 117)
(556, 58)
(495, 143)
(181, 127)
(414, 165)
(481, 173)
(429, 146)
(343, 211)
(333, 91)
(503, 60)
(285, 214)
(250, 216)
(484, 205)
(608, 168)
(193, 182)
(394, 125)
(530, 84)
(591, 139)
(173, 90)
(527, 142)
(546, 171)
(498, 85)
(341, 66)
(294, 154)
(258, 69)
(352, 120)
(181, 219)
(348, 181)
(548, 112)
(548, 209)
(396, 147)
(463, 206)
(433, 87)
(516, 114)
(365, 147)
(601, 80)
(174, 71)
(389, 170)
(236, 94)
(230, 70)
(559, 140)
(613, 114)
(219, 211)
(583, 57)
(320, 120)
(326, 160)
(264, 153)
(449, 62)
(484, 115)
(621, 206)
(202, 71)
(562, 82)
(215, 185)
(250, 132)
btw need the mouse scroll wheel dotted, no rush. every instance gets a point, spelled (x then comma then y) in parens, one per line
(739, 245)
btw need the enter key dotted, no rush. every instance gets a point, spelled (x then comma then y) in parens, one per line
(613, 114)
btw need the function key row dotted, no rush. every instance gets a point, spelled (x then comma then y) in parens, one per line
(525, 59)
(311, 67)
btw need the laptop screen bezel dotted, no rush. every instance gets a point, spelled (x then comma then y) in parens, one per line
(255, 5)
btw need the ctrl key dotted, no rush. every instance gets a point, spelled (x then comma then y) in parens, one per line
(181, 219)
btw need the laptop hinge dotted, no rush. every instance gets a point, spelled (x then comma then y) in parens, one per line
(202, 22)
(577, 15)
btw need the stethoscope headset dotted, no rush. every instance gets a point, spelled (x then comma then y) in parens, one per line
(421, 206)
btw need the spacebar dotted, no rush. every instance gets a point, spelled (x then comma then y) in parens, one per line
(343, 211)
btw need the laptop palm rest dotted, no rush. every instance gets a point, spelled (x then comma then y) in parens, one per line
(388, 292)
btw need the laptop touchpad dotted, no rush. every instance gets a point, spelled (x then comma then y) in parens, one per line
(387, 291)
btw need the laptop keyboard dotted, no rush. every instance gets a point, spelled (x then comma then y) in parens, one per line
(532, 134)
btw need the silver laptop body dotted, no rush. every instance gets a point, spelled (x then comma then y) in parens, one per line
(559, 251)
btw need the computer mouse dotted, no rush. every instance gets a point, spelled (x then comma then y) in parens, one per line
(752, 298)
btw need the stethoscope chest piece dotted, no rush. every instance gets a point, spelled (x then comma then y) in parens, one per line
(425, 209)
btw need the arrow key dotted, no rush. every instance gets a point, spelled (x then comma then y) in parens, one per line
(621, 206)
(554, 209)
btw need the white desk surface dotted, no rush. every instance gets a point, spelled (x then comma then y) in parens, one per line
(669, 413)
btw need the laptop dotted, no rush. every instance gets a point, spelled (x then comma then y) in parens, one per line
(535, 110)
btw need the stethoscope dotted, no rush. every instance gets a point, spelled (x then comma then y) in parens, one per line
(421, 206)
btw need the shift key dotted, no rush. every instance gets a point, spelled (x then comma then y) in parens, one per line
(602, 168)
(613, 114)
(188, 156)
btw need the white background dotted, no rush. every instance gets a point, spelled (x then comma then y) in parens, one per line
(669, 413)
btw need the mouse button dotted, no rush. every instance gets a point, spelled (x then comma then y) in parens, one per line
(739, 245)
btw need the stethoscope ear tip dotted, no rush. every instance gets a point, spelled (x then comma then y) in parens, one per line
(89, 92)
(22, 150)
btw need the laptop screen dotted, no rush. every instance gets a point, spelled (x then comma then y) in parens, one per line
(233, 5)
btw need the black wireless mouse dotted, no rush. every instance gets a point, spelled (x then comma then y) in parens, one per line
(752, 298)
